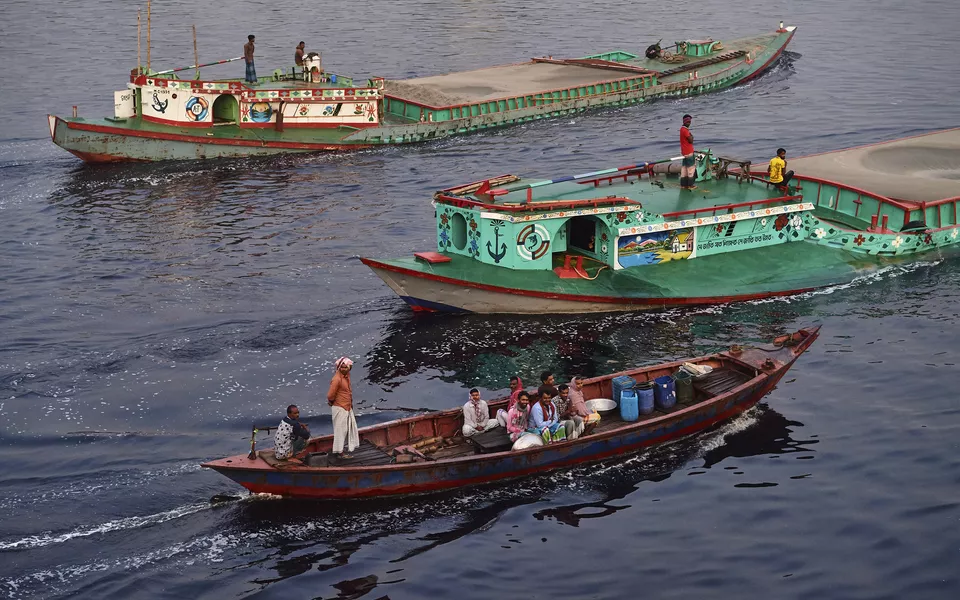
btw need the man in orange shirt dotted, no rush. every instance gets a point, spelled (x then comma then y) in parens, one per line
(340, 399)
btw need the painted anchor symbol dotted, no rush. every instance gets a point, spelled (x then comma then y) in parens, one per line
(501, 251)
(160, 107)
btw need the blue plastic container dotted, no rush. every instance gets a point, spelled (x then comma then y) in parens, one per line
(665, 391)
(619, 384)
(644, 391)
(333, 78)
(629, 409)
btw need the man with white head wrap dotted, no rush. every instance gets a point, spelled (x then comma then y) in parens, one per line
(340, 399)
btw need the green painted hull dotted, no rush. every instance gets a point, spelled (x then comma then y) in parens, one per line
(463, 285)
(651, 246)
(134, 139)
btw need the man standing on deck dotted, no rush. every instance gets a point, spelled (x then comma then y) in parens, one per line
(251, 75)
(340, 398)
(688, 169)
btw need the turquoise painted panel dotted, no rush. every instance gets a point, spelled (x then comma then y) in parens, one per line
(739, 235)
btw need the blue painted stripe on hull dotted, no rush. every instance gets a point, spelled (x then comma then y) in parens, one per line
(440, 477)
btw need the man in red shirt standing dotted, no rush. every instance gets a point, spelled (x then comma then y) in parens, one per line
(688, 170)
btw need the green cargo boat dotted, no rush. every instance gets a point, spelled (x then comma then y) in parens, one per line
(629, 238)
(161, 117)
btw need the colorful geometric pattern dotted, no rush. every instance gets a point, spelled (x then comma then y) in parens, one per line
(716, 219)
(561, 214)
(875, 243)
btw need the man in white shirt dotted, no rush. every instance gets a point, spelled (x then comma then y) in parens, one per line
(476, 415)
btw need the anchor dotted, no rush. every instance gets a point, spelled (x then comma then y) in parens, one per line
(502, 251)
(160, 107)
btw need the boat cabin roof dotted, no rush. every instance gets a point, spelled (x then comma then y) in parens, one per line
(630, 189)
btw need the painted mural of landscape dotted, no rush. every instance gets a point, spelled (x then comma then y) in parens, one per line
(655, 247)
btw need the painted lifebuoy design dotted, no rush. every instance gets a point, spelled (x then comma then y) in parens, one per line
(197, 108)
(533, 241)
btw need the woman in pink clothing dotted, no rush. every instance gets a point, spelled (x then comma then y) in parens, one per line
(577, 404)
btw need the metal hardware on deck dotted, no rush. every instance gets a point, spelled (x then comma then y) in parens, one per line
(724, 167)
(253, 439)
(253, 444)
(702, 63)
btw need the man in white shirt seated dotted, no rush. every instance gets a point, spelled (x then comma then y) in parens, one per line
(476, 415)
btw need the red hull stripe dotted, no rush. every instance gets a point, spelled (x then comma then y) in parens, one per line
(583, 298)
(192, 139)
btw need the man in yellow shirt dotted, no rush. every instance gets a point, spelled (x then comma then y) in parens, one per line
(778, 165)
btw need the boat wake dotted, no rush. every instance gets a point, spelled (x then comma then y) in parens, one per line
(127, 523)
(254, 522)
(89, 485)
(882, 274)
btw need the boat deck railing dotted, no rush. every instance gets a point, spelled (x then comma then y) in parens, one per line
(712, 210)
(879, 210)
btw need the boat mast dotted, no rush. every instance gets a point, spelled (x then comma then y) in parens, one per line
(148, 37)
(139, 67)
(196, 57)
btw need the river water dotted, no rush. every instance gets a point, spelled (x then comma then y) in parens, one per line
(150, 313)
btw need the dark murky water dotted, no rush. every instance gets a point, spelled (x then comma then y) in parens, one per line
(149, 313)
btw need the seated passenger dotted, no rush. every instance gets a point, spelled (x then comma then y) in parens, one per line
(545, 418)
(776, 169)
(518, 416)
(476, 415)
(578, 404)
(546, 378)
(516, 386)
(567, 413)
(291, 436)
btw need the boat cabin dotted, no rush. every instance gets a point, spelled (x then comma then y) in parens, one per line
(309, 99)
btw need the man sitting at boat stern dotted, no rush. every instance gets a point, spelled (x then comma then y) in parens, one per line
(476, 415)
(291, 436)
(777, 165)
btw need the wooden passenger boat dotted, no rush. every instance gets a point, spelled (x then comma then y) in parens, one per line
(162, 117)
(740, 377)
(628, 238)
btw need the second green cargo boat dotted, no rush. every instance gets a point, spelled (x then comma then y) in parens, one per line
(160, 117)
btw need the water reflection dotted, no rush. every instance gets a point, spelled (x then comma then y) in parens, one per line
(487, 350)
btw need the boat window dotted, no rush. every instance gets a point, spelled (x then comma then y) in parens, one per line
(458, 231)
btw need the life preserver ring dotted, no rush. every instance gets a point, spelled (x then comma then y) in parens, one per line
(196, 108)
(533, 241)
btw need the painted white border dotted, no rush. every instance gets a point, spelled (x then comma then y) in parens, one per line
(563, 214)
(698, 221)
